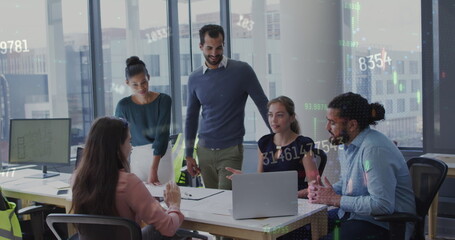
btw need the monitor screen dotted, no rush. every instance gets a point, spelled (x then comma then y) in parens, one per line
(40, 141)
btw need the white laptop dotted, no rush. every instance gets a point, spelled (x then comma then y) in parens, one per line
(270, 194)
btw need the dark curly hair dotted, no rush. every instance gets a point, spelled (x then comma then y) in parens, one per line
(354, 106)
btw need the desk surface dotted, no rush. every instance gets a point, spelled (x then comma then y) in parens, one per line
(217, 209)
(15, 184)
(212, 214)
(449, 159)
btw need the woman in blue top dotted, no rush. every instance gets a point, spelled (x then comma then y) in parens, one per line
(285, 149)
(149, 116)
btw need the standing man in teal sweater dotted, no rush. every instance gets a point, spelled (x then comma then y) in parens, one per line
(221, 87)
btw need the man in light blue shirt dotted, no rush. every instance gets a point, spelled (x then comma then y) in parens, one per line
(374, 176)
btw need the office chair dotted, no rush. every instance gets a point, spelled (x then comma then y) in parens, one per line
(181, 174)
(35, 228)
(94, 227)
(427, 176)
(321, 159)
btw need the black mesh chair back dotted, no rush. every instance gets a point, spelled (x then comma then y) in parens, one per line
(321, 159)
(427, 177)
(91, 227)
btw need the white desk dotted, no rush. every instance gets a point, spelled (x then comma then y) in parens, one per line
(449, 159)
(15, 185)
(214, 215)
(211, 214)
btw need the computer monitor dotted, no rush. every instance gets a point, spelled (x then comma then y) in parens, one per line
(41, 142)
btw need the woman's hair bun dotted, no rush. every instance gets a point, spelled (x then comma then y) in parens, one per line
(377, 112)
(133, 60)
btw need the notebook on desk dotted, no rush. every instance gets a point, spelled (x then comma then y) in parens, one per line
(270, 194)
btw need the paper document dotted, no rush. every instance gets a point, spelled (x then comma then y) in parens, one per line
(59, 184)
(220, 203)
(156, 191)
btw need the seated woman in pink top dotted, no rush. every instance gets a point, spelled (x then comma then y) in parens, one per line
(103, 184)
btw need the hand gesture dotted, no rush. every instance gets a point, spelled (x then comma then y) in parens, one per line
(172, 195)
(192, 167)
(318, 193)
(233, 171)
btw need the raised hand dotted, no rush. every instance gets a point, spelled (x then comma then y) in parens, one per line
(172, 195)
(233, 171)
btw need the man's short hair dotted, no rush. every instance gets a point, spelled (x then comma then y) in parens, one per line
(213, 30)
(354, 106)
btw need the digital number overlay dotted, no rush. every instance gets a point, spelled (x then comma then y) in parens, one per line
(378, 60)
(158, 34)
(11, 46)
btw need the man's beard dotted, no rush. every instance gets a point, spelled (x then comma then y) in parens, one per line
(342, 139)
(207, 58)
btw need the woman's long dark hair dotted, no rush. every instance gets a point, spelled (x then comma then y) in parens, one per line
(96, 177)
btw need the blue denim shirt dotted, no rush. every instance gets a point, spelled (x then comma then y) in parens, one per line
(374, 178)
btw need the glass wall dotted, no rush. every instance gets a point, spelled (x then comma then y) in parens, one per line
(360, 51)
(44, 70)
(308, 50)
(192, 15)
(255, 38)
(133, 28)
(382, 60)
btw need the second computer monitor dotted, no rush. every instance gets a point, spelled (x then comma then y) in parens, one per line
(40, 141)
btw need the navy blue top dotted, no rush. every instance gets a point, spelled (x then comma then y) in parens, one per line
(148, 123)
(221, 93)
(290, 158)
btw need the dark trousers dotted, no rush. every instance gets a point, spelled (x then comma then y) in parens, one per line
(343, 229)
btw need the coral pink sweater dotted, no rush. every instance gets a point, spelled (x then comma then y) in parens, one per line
(135, 202)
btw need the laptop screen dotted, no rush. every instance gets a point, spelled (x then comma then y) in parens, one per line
(267, 194)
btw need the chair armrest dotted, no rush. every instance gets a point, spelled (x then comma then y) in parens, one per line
(33, 209)
(397, 217)
(184, 234)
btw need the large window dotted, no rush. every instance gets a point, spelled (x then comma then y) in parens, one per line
(255, 37)
(295, 48)
(192, 16)
(133, 28)
(392, 44)
(44, 71)
(378, 59)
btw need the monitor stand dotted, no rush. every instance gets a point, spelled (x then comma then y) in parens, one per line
(44, 174)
